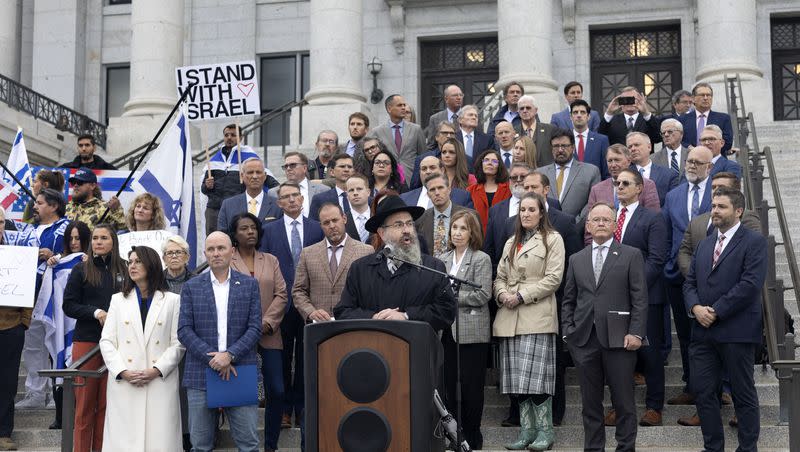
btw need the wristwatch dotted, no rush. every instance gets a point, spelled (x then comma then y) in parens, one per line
(233, 357)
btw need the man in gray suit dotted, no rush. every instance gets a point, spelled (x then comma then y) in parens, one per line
(453, 98)
(253, 200)
(604, 318)
(405, 139)
(295, 167)
(571, 180)
(672, 154)
(434, 224)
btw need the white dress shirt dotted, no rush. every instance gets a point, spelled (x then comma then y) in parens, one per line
(221, 290)
(339, 250)
(424, 201)
(339, 192)
(700, 193)
(259, 198)
(360, 218)
(607, 246)
(728, 234)
(628, 215)
(513, 206)
(553, 184)
(646, 173)
(287, 223)
(306, 198)
(464, 136)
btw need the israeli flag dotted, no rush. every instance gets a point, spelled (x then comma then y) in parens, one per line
(18, 164)
(168, 175)
(49, 308)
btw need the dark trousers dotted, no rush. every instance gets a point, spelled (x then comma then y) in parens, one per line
(560, 396)
(709, 361)
(10, 355)
(212, 215)
(272, 371)
(473, 378)
(651, 360)
(292, 335)
(683, 328)
(595, 366)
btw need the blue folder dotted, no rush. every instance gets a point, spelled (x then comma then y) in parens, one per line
(240, 390)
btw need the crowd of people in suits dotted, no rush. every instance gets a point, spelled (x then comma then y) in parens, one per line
(579, 233)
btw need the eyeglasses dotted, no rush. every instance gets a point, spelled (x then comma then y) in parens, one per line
(561, 146)
(525, 108)
(623, 183)
(174, 253)
(492, 161)
(290, 195)
(400, 224)
(290, 166)
(601, 220)
(327, 141)
(382, 163)
(696, 163)
(708, 140)
(448, 134)
(78, 183)
(668, 132)
(519, 178)
(374, 147)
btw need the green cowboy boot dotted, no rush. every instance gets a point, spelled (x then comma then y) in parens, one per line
(526, 433)
(543, 425)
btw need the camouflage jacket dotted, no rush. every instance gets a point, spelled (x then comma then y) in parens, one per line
(90, 211)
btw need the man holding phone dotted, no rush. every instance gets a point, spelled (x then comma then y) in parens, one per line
(635, 117)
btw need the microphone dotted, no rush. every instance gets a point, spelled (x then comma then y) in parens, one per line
(386, 253)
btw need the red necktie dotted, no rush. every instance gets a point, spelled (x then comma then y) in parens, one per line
(398, 139)
(580, 147)
(717, 251)
(620, 222)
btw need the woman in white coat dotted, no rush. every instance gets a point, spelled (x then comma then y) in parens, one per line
(141, 350)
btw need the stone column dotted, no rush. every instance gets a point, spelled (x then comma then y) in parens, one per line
(524, 33)
(726, 44)
(156, 50)
(337, 68)
(9, 39)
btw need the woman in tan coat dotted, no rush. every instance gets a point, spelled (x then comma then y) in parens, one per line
(528, 276)
(246, 234)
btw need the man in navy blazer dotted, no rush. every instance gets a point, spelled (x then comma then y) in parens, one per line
(563, 119)
(634, 117)
(684, 202)
(225, 294)
(470, 130)
(254, 194)
(595, 144)
(285, 239)
(664, 178)
(691, 121)
(712, 138)
(341, 169)
(723, 296)
(645, 230)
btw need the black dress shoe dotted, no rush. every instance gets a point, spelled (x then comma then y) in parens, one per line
(55, 425)
(510, 422)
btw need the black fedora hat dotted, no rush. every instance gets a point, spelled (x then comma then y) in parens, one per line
(388, 206)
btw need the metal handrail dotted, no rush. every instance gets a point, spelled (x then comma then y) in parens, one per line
(129, 157)
(24, 99)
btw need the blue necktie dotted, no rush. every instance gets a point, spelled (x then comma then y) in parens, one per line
(297, 245)
(673, 163)
(345, 203)
(695, 201)
(469, 145)
(507, 159)
(616, 200)
(641, 171)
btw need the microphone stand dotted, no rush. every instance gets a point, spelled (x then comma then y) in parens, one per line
(455, 286)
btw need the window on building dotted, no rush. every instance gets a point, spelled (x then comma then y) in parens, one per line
(786, 68)
(118, 88)
(284, 78)
(647, 58)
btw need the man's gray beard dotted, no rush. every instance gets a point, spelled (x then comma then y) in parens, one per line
(517, 192)
(410, 253)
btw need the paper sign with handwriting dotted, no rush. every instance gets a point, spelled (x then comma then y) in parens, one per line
(153, 239)
(18, 275)
(221, 90)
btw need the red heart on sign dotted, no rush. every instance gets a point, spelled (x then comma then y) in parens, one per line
(245, 88)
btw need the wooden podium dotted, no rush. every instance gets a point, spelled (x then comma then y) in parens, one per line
(369, 386)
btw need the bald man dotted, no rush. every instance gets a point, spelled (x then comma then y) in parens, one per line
(220, 325)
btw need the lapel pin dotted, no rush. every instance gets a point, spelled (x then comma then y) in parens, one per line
(237, 282)
(591, 138)
(615, 254)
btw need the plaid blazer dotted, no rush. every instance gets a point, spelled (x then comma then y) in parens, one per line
(197, 325)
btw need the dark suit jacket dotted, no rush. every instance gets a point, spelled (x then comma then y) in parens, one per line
(459, 196)
(647, 232)
(732, 288)
(594, 152)
(197, 324)
(416, 181)
(480, 143)
(699, 229)
(723, 120)
(622, 287)
(563, 120)
(617, 130)
(677, 217)
(541, 137)
(575, 193)
(664, 178)
(425, 224)
(604, 191)
(725, 164)
(433, 123)
(276, 243)
(319, 199)
(238, 204)
(662, 158)
(500, 117)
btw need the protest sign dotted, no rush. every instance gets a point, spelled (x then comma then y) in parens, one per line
(153, 239)
(220, 91)
(18, 275)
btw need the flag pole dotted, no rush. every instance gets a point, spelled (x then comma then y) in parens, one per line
(149, 148)
(239, 150)
(204, 139)
(14, 176)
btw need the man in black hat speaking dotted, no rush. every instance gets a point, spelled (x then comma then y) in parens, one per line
(381, 288)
